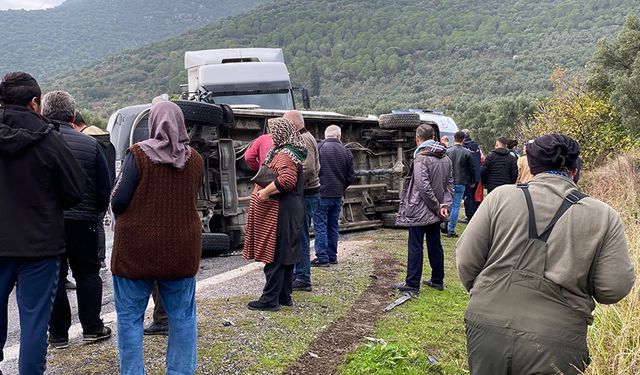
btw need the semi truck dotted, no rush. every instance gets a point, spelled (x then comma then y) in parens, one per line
(230, 95)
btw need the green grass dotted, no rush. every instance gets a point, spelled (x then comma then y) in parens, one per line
(424, 335)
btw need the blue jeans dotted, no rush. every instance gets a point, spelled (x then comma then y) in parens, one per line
(325, 226)
(458, 193)
(302, 270)
(37, 279)
(416, 254)
(179, 300)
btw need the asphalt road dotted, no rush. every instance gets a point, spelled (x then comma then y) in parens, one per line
(208, 267)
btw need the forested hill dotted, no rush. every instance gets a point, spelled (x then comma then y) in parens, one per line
(369, 56)
(45, 42)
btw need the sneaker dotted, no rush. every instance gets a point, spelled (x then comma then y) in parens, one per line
(452, 235)
(403, 287)
(317, 263)
(299, 285)
(103, 266)
(433, 285)
(58, 343)
(69, 284)
(104, 333)
(335, 261)
(157, 329)
(289, 303)
(257, 305)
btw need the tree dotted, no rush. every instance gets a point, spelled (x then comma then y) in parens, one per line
(583, 116)
(614, 74)
(314, 75)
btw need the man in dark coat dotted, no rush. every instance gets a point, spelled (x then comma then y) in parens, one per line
(40, 177)
(500, 168)
(336, 174)
(81, 222)
(463, 175)
(470, 204)
(424, 203)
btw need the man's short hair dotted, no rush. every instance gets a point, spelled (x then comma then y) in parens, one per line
(295, 117)
(503, 141)
(459, 136)
(58, 105)
(512, 144)
(332, 131)
(19, 88)
(424, 132)
(467, 133)
(79, 120)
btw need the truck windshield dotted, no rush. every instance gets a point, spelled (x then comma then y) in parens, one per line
(280, 99)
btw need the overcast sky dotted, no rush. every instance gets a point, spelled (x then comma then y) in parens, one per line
(28, 4)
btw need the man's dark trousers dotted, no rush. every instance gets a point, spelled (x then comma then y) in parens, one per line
(302, 270)
(416, 254)
(470, 204)
(82, 255)
(36, 280)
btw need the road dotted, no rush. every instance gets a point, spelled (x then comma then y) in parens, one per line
(208, 267)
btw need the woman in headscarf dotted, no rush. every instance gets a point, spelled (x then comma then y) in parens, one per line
(157, 239)
(276, 215)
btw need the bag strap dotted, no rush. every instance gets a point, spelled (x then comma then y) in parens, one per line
(572, 198)
(533, 232)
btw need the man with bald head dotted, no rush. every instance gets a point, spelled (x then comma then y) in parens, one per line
(311, 169)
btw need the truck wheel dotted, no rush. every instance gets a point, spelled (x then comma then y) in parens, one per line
(215, 244)
(389, 220)
(210, 114)
(399, 120)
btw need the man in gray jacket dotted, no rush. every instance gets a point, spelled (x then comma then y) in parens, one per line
(533, 259)
(424, 203)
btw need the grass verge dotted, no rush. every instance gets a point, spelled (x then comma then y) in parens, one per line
(614, 338)
(233, 339)
(424, 335)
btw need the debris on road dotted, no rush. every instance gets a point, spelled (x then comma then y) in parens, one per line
(402, 299)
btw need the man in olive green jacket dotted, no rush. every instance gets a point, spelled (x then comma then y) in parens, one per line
(532, 295)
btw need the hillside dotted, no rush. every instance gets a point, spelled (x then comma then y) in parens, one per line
(46, 42)
(370, 56)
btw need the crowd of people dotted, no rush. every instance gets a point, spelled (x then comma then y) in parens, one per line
(534, 257)
(535, 254)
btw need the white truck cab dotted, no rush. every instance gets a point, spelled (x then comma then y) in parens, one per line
(239, 76)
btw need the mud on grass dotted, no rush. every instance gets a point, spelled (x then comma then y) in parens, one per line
(347, 332)
(423, 336)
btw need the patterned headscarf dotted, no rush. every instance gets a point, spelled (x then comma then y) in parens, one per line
(287, 139)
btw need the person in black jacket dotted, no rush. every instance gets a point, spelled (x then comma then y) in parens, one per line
(500, 168)
(40, 177)
(470, 204)
(464, 172)
(81, 222)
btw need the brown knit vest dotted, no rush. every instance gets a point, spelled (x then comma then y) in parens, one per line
(159, 235)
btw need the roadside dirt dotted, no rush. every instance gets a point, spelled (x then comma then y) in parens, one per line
(344, 335)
